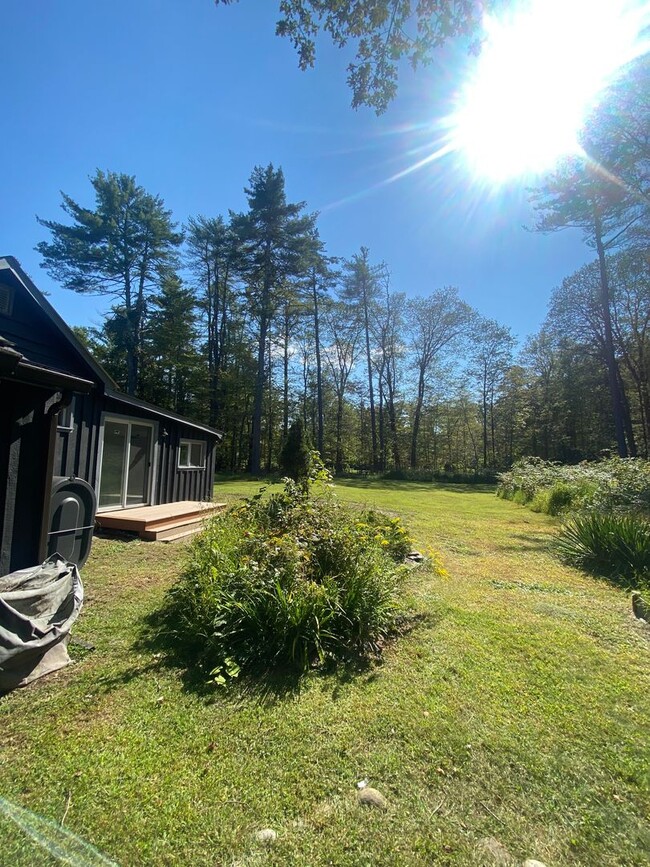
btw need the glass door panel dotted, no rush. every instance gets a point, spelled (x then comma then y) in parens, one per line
(137, 487)
(113, 463)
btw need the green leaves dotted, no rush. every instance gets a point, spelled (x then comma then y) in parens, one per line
(383, 31)
(611, 545)
(613, 484)
(229, 670)
(611, 535)
(122, 248)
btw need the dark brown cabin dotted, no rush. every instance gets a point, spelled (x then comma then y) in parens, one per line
(62, 415)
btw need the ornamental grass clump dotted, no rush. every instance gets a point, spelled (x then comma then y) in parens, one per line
(612, 545)
(288, 579)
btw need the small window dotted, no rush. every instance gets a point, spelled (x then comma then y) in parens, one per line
(64, 418)
(191, 455)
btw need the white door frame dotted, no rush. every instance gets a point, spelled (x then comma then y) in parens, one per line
(129, 420)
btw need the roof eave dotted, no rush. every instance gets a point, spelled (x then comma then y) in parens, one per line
(115, 394)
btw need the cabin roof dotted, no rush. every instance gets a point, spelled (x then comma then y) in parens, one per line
(14, 366)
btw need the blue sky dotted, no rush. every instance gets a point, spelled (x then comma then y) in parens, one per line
(189, 98)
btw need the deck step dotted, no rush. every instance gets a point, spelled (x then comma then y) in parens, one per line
(178, 536)
(159, 534)
(158, 523)
(195, 515)
(175, 523)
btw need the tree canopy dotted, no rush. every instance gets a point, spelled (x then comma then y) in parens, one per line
(384, 32)
(123, 248)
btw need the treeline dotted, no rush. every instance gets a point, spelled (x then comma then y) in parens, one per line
(247, 322)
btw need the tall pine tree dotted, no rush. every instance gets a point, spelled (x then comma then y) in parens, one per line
(123, 249)
(275, 240)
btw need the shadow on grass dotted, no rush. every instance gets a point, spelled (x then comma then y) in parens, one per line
(108, 683)
(394, 485)
(115, 535)
(264, 685)
(522, 542)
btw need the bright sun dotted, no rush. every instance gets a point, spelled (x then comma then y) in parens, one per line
(538, 73)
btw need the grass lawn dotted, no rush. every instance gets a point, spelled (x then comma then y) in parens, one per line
(518, 708)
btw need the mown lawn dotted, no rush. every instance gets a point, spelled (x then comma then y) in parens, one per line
(517, 707)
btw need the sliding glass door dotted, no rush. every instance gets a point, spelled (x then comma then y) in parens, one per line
(125, 478)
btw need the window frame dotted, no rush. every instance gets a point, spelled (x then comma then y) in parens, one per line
(67, 423)
(190, 443)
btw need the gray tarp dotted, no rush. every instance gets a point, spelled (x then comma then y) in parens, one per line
(37, 608)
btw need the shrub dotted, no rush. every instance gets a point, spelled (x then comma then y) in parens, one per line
(610, 533)
(388, 532)
(615, 484)
(561, 498)
(612, 545)
(296, 455)
(287, 579)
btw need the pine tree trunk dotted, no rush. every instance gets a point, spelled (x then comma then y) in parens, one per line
(320, 435)
(371, 396)
(258, 400)
(627, 416)
(269, 454)
(285, 375)
(610, 357)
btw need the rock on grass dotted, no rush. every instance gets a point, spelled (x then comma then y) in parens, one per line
(494, 852)
(369, 797)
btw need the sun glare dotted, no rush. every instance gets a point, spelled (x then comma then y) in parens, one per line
(538, 73)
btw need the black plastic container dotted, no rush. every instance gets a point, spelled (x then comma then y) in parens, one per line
(72, 519)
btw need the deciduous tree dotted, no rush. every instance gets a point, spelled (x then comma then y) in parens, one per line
(383, 32)
(435, 324)
(491, 358)
(361, 286)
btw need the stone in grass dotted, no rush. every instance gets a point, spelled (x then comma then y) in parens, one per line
(532, 862)
(266, 836)
(369, 797)
(495, 851)
(640, 607)
(415, 557)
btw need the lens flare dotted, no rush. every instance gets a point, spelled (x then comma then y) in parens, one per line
(539, 72)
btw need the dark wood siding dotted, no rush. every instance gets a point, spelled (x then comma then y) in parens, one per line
(77, 450)
(171, 483)
(31, 451)
(184, 484)
(24, 449)
(37, 337)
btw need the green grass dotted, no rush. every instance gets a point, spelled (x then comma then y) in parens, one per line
(516, 707)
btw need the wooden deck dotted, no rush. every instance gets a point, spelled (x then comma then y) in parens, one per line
(165, 523)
